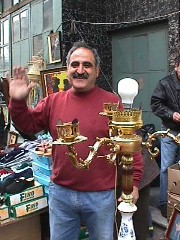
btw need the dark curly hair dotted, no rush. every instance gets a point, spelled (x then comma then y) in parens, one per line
(83, 45)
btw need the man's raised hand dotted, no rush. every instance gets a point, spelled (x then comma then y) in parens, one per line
(19, 86)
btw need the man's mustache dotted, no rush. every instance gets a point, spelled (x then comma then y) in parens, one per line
(81, 76)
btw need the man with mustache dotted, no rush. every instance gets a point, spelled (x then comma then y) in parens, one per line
(76, 196)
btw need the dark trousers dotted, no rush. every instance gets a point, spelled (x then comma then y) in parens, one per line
(141, 216)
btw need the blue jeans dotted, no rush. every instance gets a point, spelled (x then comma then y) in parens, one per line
(170, 153)
(69, 209)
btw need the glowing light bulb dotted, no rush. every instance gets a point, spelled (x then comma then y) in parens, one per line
(128, 89)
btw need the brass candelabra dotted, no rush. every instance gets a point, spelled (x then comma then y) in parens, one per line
(123, 142)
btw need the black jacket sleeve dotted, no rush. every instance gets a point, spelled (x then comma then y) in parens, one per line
(159, 104)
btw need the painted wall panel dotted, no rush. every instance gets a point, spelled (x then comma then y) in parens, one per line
(140, 53)
(122, 60)
(157, 50)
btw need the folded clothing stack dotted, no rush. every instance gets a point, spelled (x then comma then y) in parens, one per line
(16, 180)
(12, 156)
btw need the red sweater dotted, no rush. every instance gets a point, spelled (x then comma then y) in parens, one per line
(67, 106)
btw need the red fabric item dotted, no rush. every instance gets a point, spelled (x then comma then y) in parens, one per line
(5, 171)
(85, 107)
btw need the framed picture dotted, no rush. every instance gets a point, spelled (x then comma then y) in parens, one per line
(173, 229)
(55, 48)
(13, 136)
(5, 111)
(35, 95)
(54, 80)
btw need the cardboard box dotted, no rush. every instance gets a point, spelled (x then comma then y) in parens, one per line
(4, 212)
(26, 229)
(27, 195)
(173, 199)
(174, 179)
(26, 208)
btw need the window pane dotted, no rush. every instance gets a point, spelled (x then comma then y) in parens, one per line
(6, 4)
(37, 45)
(1, 34)
(6, 57)
(24, 24)
(6, 32)
(47, 14)
(16, 28)
(1, 59)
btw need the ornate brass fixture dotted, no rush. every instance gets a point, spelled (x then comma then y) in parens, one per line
(152, 137)
(123, 142)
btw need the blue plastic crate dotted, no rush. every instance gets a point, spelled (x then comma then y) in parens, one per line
(43, 180)
(41, 170)
(46, 161)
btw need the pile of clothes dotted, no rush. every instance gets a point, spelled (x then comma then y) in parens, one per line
(16, 172)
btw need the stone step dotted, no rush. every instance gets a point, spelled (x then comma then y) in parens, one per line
(157, 218)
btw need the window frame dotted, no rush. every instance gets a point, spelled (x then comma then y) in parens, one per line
(18, 13)
(3, 45)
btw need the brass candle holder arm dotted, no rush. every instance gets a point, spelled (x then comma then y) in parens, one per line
(80, 163)
(152, 137)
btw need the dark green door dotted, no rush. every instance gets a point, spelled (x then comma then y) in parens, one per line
(141, 54)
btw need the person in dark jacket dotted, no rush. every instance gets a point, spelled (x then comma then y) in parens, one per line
(165, 103)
